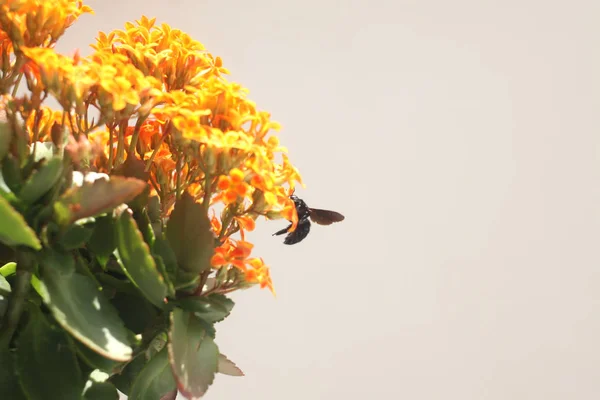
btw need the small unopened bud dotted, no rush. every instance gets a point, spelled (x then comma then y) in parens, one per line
(57, 134)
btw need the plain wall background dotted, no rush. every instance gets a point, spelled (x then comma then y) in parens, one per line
(461, 140)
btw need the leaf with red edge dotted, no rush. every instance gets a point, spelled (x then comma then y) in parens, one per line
(94, 198)
(193, 354)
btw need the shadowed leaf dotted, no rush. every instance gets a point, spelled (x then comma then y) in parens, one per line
(136, 312)
(93, 359)
(9, 381)
(101, 391)
(97, 387)
(104, 239)
(124, 380)
(76, 236)
(190, 235)
(39, 345)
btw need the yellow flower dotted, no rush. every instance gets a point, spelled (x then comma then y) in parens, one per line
(34, 23)
(108, 78)
(162, 52)
(120, 83)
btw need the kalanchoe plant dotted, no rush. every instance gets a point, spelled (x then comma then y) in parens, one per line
(118, 209)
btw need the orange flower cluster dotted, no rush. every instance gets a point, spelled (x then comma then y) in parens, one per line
(161, 98)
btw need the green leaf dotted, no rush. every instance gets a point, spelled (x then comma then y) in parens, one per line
(144, 225)
(124, 380)
(163, 249)
(44, 346)
(81, 308)
(76, 236)
(96, 388)
(160, 264)
(8, 269)
(5, 138)
(93, 359)
(5, 190)
(104, 239)
(14, 230)
(11, 173)
(212, 308)
(41, 181)
(4, 294)
(96, 198)
(101, 391)
(193, 354)
(228, 367)
(4, 286)
(137, 262)
(136, 312)
(190, 234)
(155, 379)
(9, 381)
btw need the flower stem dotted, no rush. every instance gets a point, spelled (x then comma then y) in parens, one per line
(178, 168)
(136, 134)
(166, 132)
(16, 87)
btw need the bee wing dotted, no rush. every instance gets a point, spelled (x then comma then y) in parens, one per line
(325, 217)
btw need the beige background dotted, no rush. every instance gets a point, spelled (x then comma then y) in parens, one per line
(460, 138)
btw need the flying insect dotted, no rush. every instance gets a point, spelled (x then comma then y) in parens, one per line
(305, 215)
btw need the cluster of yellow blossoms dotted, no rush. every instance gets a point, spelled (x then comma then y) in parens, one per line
(154, 96)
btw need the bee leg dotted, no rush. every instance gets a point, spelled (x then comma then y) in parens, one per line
(283, 231)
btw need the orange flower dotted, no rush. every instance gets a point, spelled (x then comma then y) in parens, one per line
(259, 273)
(232, 253)
(246, 223)
(233, 186)
(163, 159)
(215, 224)
(148, 131)
(6, 50)
(46, 117)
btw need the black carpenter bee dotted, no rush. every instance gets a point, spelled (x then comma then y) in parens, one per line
(305, 214)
